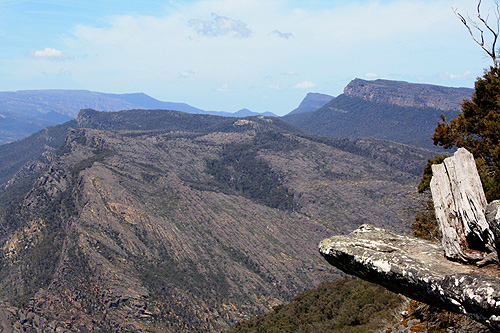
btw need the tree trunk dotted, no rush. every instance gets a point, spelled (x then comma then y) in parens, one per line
(460, 206)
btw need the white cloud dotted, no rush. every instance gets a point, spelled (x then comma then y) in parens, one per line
(331, 44)
(449, 76)
(224, 88)
(304, 85)
(186, 74)
(220, 25)
(280, 34)
(47, 52)
(371, 75)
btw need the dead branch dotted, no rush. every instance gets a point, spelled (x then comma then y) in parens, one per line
(479, 37)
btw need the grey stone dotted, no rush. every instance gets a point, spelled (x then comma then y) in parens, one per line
(460, 206)
(493, 218)
(417, 268)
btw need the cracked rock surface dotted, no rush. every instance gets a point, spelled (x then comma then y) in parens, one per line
(418, 269)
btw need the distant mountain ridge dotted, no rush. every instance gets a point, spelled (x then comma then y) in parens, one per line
(248, 113)
(382, 109)
(70, 102)
(407, 94)
(311, 102)
(27, 111)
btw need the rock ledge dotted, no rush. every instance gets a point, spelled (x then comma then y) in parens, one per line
(418, 269)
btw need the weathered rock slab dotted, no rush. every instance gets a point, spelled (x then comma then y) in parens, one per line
(417, 268)
(460, 206)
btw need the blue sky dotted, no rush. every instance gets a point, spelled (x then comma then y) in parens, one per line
(226, 55)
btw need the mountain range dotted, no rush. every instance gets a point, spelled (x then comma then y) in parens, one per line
(153, 220)
(158, 220)
(311, 102)
(25, 112)
(408, 94)
(380, 109)
(383, 109)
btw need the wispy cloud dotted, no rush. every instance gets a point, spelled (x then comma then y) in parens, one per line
(451, 76)
(220, 25)
(304, 85)
(186, 74)
(47, 52)
(224, 88)
(160, 53)
(280, 34)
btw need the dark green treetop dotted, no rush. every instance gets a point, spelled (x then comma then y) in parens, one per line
(477, 128)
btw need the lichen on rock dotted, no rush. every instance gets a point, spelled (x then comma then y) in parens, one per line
(417, 268)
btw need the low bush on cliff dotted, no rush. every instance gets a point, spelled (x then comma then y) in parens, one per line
(347, 305)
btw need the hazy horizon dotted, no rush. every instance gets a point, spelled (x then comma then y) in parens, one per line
(226, 55)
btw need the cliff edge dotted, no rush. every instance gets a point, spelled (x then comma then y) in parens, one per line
(418, 269)
(408, 94)
(460, 273)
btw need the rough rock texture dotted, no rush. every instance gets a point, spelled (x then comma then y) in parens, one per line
(161, 221)
(493, 218)
(460, 206)
(417, 268)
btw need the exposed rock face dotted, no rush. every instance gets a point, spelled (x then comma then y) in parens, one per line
(150, 221)
(460, 206)
(408, 94)
(493, 218)
(311, 102)
(417, 268)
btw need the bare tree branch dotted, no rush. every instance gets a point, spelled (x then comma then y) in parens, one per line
(478, 37)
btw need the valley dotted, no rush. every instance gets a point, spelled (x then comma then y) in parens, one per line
(161, 220)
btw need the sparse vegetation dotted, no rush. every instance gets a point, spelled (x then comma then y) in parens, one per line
(347, 305)
(188, 228)
(240, 170)
(425, 225)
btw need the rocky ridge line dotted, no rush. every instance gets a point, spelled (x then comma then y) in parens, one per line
(408, 94)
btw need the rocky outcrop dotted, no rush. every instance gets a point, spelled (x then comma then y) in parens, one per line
(408, 94)
(311, 102)
(460, 206)
(417, 268)
(421, 269)
(493, 218)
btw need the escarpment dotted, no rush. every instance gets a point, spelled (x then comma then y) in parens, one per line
(408, 94)
(461, 274)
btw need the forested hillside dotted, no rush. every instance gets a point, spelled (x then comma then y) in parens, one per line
(347, 305)
(354, 117)
(154, 220)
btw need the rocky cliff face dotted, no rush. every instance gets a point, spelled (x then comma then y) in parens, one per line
(311, 102)
(408, 94)
(162, 221)
(381, 109)
(418, 269)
